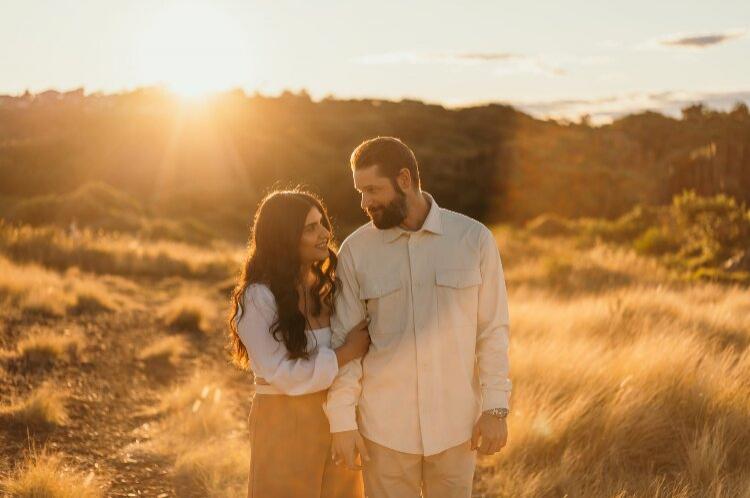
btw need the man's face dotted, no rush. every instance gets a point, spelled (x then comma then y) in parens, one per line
(384, 204)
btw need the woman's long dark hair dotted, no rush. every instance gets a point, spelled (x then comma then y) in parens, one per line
(273, 259)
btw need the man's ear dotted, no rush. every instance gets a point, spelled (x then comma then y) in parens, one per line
(404, 179)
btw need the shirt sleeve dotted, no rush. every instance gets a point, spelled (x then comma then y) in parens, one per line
(343, 396)
(493, 335)
(269, 358)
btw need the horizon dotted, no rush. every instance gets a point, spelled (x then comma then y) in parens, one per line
(674, 111)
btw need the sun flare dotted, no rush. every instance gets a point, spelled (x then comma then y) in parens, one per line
(193, 50)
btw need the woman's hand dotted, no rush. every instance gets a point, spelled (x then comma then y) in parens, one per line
(356, 344)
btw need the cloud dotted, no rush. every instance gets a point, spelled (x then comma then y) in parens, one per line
(701, 41)
(605, 109)
(529, 65)
(502, 63)
(480, 56)
(437, 58)
(695, 41)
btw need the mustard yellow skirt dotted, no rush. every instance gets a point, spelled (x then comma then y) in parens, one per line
(290, 447)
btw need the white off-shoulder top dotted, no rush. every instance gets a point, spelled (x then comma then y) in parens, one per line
(269, 358)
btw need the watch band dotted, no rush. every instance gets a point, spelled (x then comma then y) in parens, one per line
(498, 412)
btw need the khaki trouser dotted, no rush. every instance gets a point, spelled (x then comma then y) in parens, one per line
(392, 474)
(290, 451)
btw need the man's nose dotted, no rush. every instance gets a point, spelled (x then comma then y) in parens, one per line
(364, 202)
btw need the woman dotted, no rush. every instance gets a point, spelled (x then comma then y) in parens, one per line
(279, 328)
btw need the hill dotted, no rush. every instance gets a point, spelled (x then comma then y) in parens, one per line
(212, 161)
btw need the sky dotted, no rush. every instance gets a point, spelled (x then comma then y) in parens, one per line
(549, 58)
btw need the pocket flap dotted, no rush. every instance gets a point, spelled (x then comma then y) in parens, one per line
(458, 279)
(379, 288)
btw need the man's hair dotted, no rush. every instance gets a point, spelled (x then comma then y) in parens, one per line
(390, 154)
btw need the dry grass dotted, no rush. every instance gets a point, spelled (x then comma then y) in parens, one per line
(166, 351)
(43, 347)
(628, 382)
(197, 409)
(558, 265)
(116, 254)
(92, 297)
(43, 476)
(43, 409)
(161, 357)
(197, 387)
(216, 470)
(33, 288)
(199, 430)
(189, 313)
(635, 389)
(39, 291)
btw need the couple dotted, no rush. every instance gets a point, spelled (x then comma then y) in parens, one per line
(379, 369)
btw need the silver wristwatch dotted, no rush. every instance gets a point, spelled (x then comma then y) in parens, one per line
(498, 412)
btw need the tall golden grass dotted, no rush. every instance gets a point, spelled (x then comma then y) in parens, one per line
(200, 431)
(39, 291)
(636, 389)
(115, 253)
(629, 381)
(43, 476)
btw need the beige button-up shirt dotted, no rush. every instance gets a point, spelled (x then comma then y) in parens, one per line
(439, 327)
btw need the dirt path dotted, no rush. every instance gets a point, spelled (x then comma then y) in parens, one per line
(108, 395)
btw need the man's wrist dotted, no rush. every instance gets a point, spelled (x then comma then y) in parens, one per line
(342, 355)
(341, 418)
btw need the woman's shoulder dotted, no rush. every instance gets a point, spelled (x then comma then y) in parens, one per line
(260, 295)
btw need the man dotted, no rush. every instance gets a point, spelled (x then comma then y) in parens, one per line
(434, 385)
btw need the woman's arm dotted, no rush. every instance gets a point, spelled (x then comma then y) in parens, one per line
(270, 358)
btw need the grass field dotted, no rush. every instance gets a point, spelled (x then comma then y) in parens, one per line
(628, 380)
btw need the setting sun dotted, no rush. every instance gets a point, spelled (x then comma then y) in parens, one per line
(194, 50)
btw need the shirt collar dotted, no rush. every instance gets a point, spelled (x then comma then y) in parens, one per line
(433, 223)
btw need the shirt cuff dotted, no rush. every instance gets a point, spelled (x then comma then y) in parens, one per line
(493, 398)
(341, 418)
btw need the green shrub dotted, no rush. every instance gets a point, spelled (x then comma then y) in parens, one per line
(713, 228)
(550, 225)
(624, 229)
(95, 205)
(655, 241)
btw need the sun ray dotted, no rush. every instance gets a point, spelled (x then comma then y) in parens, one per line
(194, 49)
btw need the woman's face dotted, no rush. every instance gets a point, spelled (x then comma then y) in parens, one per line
(313, 244)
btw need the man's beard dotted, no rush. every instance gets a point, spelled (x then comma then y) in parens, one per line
(392, 215)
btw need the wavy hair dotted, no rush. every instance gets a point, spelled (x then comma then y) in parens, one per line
(273, 259)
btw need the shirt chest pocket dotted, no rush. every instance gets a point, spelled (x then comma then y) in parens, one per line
(457, 297)
(384, 299)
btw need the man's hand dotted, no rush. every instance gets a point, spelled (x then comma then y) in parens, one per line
(493, 432)
(345, 446)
